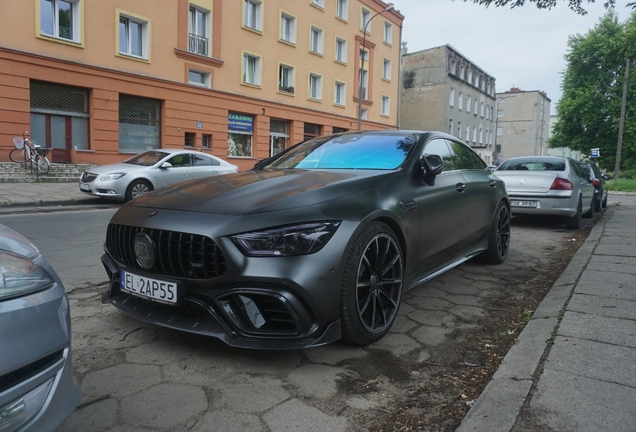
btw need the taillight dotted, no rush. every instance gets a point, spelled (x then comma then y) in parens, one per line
(595, 182)
(561, 184)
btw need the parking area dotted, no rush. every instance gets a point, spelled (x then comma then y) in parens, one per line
(451, 335)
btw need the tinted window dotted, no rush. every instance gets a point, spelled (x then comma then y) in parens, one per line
(181, 160)
(148, 158)
(462, 156)
(440, 147)
(528, 164)
(577, 170)
(477, 161)
(200, 160)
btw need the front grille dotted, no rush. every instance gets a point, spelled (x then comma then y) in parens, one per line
(20, 375)
(88, 177)
(177, 254)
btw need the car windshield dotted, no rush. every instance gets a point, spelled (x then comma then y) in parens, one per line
(532, 165)
(350, 151)
(148, 158)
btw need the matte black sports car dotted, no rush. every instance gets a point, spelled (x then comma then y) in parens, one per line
(314, 244)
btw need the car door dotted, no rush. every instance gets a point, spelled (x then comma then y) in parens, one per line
(480, 191)
(585, 187)
(180, 170)
(444, 209)
(204, 166)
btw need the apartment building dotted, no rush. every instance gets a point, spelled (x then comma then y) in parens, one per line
(523, 123)
(443, 90)
(242, 79)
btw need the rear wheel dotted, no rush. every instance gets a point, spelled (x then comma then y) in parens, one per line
(499, 237)
(604, 204)
(574, 222)
(372, 285)
(42, 164)
(18, 155)
(590, 213)
(137, 188)
(598, 205)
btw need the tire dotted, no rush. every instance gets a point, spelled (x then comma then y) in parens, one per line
(590, 213)
(498, 238)
(137, 188)
(598, 205)
(372, 285)
(574, 222)
(18, 155)
(43, 164)
(604, 203)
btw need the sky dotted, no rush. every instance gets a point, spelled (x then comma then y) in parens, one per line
(522, 47)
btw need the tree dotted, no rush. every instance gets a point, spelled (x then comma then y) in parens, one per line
(590, 106)
(575, 5)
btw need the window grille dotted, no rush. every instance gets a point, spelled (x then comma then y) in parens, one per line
(189, 139)
(278, 126)
(139, 124)
(206, 141)
(56, 98)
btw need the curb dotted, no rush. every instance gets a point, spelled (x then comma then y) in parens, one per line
(512, 384)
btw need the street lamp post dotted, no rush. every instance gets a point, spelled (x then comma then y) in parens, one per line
(390, 7)
(499, 100)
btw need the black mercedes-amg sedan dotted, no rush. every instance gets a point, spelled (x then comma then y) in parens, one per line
(312, 245)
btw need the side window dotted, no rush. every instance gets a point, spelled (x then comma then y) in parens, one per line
(477, 161)
(577, 170)
(181, 160)
(461, 156)
(439, 147)
(198, 160)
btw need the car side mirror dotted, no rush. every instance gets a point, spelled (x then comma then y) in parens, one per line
(606, 177)
(165, 165)
(429, 167)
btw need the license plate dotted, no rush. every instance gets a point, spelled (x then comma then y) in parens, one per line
(522, 203)
(152, 289)
(85, 187)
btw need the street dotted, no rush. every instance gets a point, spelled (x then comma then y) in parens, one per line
(449, 339)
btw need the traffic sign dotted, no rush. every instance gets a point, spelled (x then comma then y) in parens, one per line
(596, 152)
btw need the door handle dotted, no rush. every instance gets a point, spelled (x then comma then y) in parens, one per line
(492, 183)
(461, 187)
(406, 204)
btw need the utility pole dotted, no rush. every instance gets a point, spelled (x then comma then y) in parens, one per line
(621, 123)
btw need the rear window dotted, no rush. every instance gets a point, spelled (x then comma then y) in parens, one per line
(532, 165)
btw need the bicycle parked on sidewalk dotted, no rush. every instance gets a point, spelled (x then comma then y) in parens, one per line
(25, 151)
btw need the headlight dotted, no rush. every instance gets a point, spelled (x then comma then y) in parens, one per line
(112, 176)
(20, 276)
(293, 240)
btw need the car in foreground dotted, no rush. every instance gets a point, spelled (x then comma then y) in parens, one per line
(150, 170)
(37, 391)
(314, 244)
(548, 185)
(598, 181)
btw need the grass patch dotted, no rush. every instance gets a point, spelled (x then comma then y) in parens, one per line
(621, 185)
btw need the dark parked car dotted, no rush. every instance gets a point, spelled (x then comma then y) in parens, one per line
(37, 391)
(598, 181)
(314, 244)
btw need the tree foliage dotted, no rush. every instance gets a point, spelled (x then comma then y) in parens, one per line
(576, 5)
(590, 106)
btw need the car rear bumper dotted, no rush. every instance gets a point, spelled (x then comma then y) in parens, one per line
(556, 206)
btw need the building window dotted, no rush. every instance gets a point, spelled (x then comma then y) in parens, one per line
(342, 9)
(315, 86)
(189, 139)
(460, 101)
(481, 136)
(459, 130)
(453, 66)
(60, 19)
(319, 3)
(500, 113)
(251, 69)
(278, 136)
(139, 124)
(339, 93)
(365, 17)
(199, 78)
(364, 114)
(198, 41)
(316, 42)
(476, 105)
(239, 138)
(311, 131)
(385, 109)
(450, 127)
(474, 134)
(287, 28)
(206, 141)
(499, 131)
(341, 50)
(451, 100)
(467, 137)
(481, 109)
(133, 37)
(365, 83)
(386, 69)
(252, 14)
(467, 104)
(470, 76)
(388, 32)
(462, 70)
(492, 112)
(286, 79)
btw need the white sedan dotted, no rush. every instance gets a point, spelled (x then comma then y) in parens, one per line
(151, 170)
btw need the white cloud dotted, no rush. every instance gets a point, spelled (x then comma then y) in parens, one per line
(521, 47)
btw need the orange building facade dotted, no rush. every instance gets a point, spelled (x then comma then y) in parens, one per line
(240, 79)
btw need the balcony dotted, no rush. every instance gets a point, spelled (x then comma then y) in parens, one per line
(198, 45)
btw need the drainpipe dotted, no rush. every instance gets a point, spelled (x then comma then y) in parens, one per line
(399, 98)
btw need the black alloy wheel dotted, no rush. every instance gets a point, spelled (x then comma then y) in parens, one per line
(498, 238)
(372, 289)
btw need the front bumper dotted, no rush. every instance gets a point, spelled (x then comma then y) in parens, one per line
(111, 189)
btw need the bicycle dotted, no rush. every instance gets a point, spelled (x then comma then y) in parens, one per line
(25, 151)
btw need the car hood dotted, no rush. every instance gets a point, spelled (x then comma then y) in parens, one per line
(116, 167)
(253, 192)
(12, 241)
